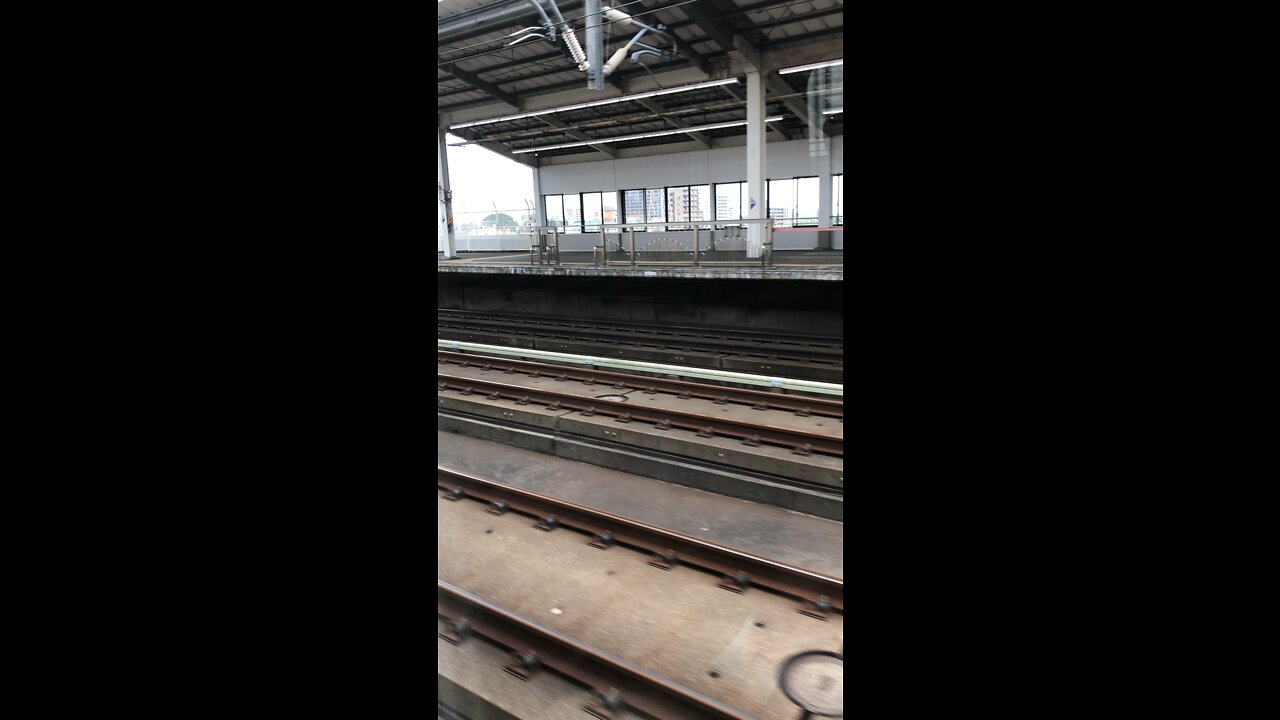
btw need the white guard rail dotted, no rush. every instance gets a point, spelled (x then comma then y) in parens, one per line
(811, 386)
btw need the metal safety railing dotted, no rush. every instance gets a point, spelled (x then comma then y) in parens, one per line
(735, 242)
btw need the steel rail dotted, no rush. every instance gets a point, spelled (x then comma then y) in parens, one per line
(755, 398)
(688, 371)
(625, 682)
(802, 442)
(664, 329)
(826, 354)
(741, 568)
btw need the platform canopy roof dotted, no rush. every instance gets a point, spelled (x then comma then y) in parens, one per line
(482, 76)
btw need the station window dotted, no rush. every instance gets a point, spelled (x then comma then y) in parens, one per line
(729, 200)
(837, 199)
(794, 202)
(554, 206)
(609, 209)
(592, 213)
(633, 207)
(689, 204)
(644, 206)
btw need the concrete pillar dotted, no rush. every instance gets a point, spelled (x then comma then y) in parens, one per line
(821, 164)
(756, 208)
(446, 195)
(539, 206)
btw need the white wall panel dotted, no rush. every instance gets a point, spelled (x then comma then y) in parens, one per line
(730, 164)
(783, 160)
(579, 177)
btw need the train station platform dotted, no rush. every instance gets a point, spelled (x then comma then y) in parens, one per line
(787, 265)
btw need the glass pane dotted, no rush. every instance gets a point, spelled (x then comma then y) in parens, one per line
(634, 205)
(678, 204)
(610, 209)
(782, 194)
(572, 213)
(807, 202)
(655, 205)
(729, 201)
(700, 203)
(555, 212)
(591, 211)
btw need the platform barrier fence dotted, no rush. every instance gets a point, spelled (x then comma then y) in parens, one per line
(739, 242)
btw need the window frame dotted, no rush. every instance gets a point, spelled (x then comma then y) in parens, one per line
(795, 200)
(837, 199)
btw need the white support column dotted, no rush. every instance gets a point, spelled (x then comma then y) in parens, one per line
(446, 195)
(755, 163)
(822, 164)
(539, 207)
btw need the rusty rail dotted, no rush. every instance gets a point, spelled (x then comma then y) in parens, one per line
(739, 569)
(800, 441)
(623, 682)
(756, 398)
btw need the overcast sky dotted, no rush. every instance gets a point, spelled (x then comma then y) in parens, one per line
(480, 179)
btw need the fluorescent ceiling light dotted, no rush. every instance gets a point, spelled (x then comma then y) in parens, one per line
(833, 111)
(814, 66)
(681, 131)
(610, 101)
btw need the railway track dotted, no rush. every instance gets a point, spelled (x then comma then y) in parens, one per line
(800, 405)
(801, 357)
(617, 683)
(819, 594)
(802, 442)
(666, 330)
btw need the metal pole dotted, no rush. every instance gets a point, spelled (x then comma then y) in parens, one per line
(595, 45)
(695, 246)
(633, 247)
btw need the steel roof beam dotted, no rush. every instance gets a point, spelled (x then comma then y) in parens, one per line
(656, 109)
(484, 86)
(503, 150)
(578, 134)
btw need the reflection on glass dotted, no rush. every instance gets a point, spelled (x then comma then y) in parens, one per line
(555, 211)
(572, 213)
(806, 207)
(678, 204)
(655, 207)
(591, 213)
(729, 201)
(633, 201)
(699, 203)
(782, 195)
(609, 208)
